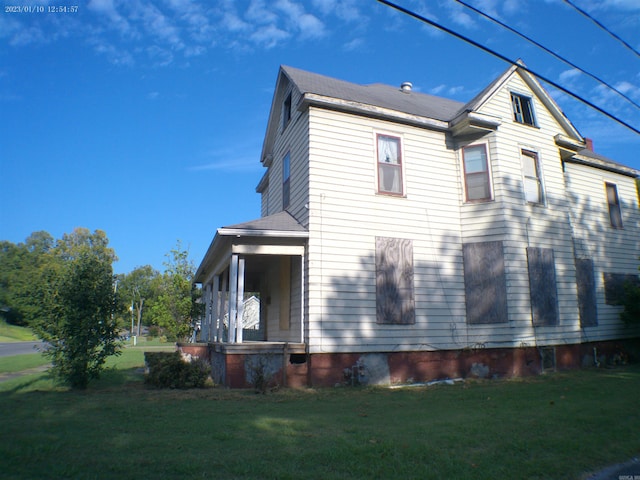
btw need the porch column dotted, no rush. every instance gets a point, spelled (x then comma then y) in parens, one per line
(206, 318)
(233, 297)
(240, 300)
(302, 299)
(221, 312)
(213, 327)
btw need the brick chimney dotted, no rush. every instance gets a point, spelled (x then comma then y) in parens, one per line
(589, 143)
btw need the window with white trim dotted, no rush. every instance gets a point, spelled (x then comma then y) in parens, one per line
(523, 109)
(531, 177)
(389, 164)
(477, 184)
(286, 177)
(615, 214)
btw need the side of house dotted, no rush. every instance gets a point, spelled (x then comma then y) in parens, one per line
(439, 237)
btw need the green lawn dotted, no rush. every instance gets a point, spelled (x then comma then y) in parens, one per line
(13, 333)
(549, 427)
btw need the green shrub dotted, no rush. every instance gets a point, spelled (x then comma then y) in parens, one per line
(170, 370)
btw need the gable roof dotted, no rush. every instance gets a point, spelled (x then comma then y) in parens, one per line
(377, 94)
(550, 104)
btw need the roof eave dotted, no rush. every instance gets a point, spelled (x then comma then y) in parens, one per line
(332, 103)
(250, 232)
(469, 123)
(603, 165)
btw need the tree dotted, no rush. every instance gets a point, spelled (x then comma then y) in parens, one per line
(175, 308)
(79, 303)
(137, 289)
(21, 268)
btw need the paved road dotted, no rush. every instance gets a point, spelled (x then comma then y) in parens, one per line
(19, 348)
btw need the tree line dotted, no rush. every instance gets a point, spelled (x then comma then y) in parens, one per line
(65, 290)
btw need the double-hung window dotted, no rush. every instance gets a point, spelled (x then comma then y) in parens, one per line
(615, 215)
(476, 173)
(286, 111)
(389, 165)
(523, 109)
(286, 177)
(532, 177)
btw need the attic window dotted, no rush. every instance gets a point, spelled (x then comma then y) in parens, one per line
(286, 111)
(523, 109)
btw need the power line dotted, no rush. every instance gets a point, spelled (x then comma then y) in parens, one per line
(508, 60)
(586, 14)
(551, 52)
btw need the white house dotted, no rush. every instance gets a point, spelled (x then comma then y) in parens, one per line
(409, 237)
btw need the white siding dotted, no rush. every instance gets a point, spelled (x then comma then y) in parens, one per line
(293, 140)
(347, 213)
(612, 250)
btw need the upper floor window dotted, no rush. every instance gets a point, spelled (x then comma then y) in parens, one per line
(286, 174)
(615, 215)
(532, 177)
(523, 109)
(389, 165)
(286, 111)
(286, 177)
(477, 184)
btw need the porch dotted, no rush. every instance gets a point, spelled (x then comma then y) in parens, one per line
(261, 262)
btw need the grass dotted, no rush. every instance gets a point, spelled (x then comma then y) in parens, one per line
(550, 427)
(18, 363)
(13, 333)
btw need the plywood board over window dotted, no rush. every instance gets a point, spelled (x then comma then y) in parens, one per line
(614, 286)
(542, 286)
(485, 283)
(587, 302)
(395, 303)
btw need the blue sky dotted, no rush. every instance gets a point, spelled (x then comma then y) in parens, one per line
(145, 118)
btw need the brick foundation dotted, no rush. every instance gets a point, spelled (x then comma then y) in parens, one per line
(237, 366)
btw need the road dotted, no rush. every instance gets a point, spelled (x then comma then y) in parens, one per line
(18, 348)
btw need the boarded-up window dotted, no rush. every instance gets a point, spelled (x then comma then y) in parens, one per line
(586, 292)
(395, 302)
(614, 286)
(542, 286)
(485, 283)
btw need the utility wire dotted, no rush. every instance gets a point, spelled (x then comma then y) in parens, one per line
(586, 14)
(508, 60)
(551, 52)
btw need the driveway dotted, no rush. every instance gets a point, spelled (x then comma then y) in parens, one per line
(8, 349)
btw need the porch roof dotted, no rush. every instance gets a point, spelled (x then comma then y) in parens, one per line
(277, 229)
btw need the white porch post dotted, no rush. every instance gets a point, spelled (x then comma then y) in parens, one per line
(213, 330)
(223, 294)
(302, 299)
(233, 297)
(206, 320)
(240, 300)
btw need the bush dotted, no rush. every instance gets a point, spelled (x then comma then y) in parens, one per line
(170, 370)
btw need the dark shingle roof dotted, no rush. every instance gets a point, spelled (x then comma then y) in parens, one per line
(379, 95)
(280, 222)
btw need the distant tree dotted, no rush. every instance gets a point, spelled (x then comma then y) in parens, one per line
(21, 269)
(175, 309)
(138, 289)
(79, 303)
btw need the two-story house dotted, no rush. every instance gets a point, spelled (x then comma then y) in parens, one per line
(406, 237)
